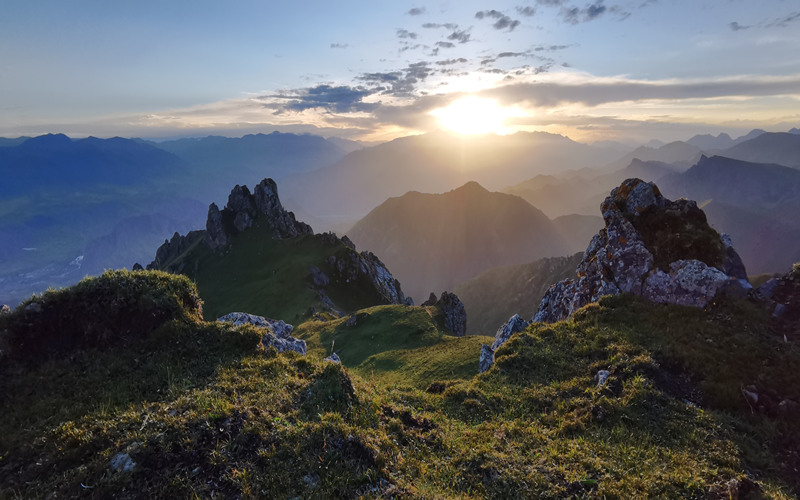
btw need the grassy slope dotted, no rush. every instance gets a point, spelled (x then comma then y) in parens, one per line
(395, 344)
(202, 411)
(265, 276)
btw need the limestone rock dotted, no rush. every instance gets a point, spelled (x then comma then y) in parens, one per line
(137, 267)
(215, 236)
(662, 250)
(4, 309)
(277, 331)
(455, 316)
(367, 268)
(781, 296)
(487, 358)
(432, 300)
(513, 325)
(122, 462)
(318, 277)
(601, 377)
(267, 203)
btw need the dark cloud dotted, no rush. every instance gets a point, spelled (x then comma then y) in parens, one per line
(448, 62)
(445, 45)
(526, 11)
(450, 26)
(408, 46)
(339, 99)
(783, 22)
(401, 33)
(575, 15)
(502, 21)
(401, 83)
(551, 3)
(550, 48)
(339, 45)
(416, 11)
(460, 36)
(737, 27)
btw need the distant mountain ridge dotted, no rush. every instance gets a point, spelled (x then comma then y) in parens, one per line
(434, 241)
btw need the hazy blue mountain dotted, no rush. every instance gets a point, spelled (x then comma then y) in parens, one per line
(578, 230)
(432, 242)
(250, 158)
(680, 154)
(55, 161)
(782, 148)
(435, 162)
(708, 142)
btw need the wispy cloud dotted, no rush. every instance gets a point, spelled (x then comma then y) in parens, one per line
(450, 26)
(738, 27)
(336, 99)
(339, 45)
(784, 21)
(526, 11)
(401, 33)
(460, 36)
(416, 11)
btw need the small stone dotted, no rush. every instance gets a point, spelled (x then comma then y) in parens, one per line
(312, 481)
(602, 377)
(333, 358)
(513, 325)
(122, 462)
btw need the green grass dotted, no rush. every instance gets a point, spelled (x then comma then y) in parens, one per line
(269, 277)
(395, 345)
(202, 411)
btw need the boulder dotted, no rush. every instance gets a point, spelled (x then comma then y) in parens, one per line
(333, 358)
(650, 246)
(4, 309)
(277, 331)
(318, 277)
(455, 316)
(781, 297)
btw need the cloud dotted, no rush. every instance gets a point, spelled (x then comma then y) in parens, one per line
(596, 91)
(401, 83)
(335, 99)
(575, 15)
(450, 26)
(783, 22)
(737, 27)
(416, 11)
(526, 11)
(551, 3)
(503, 21)
(461, 36)
(401, 33)
(339, 45)
(445, 45)
(448, 62)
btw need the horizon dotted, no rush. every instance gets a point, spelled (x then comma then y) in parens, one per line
(626, 71)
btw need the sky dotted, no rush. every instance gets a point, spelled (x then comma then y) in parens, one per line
(595, 70)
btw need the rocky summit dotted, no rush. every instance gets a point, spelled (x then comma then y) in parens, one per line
(662, 250)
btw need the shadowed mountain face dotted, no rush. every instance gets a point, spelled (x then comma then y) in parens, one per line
(435, 162)
(782, 148)
(432, 242)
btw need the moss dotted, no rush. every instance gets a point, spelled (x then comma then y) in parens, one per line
(678, 232)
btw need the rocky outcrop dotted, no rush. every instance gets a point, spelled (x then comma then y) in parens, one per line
(172, 249)
(277, 333)
(514, 325)
(455, 316)
(662, 250)
(351, 267)
(4, 309)
(243, 210)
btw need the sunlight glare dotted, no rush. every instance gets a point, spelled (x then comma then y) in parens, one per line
(476, 115)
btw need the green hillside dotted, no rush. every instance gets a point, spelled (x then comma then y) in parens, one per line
(185, 408)
(263, 275)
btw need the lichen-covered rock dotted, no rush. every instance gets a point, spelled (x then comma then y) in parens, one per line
(365, 267)
(660, 249)
(318, 277)
(455, 315)
(4, 309)
(487, 358)
(333, 358)
(514, 325)
(432, 300)
(277, 331)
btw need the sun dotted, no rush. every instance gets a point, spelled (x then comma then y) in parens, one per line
(476, 115)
